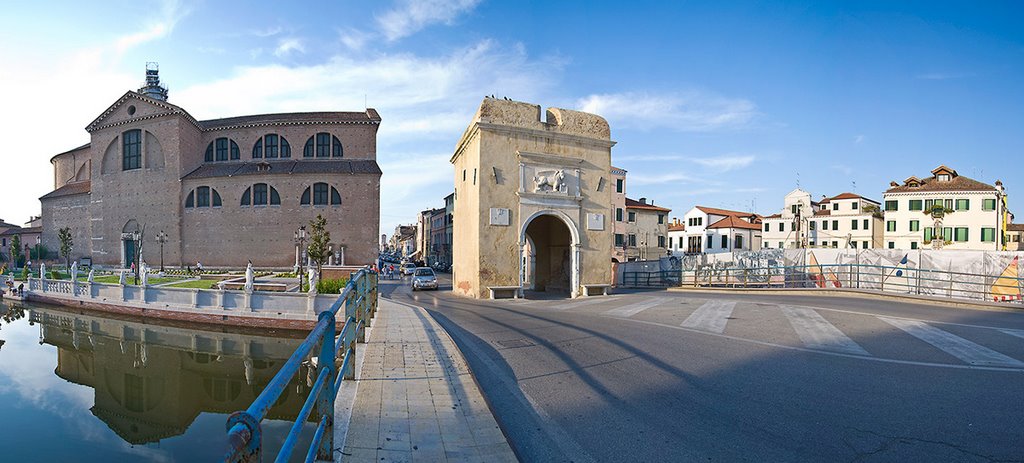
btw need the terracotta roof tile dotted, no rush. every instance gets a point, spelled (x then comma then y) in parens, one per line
(76, 188)
(333, 166)
(678, 227)
(1015, 227)
(957, 183)
(292, 119)
(633, 204)
(735, 222)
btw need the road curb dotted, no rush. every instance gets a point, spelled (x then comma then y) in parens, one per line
(860, 293)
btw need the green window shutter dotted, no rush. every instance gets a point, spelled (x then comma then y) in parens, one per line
(929, 233)
(891, 205)
(915, 205)
(988, 205)
(963, 204)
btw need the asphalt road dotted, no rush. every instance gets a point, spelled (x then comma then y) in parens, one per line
(670, 376)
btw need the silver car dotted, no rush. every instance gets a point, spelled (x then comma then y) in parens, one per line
(424, 278)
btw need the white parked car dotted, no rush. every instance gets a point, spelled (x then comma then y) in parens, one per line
(424, 278)
(408, 268)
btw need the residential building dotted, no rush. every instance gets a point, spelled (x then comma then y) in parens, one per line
(403, 240)
(1014, 231)
(645, 230)
(701, 237)
(846, 220)
(677, 237)
(438, 238)
(424, 226)
(733, 233)
(618, 214)
(223, 191)
(972, 212)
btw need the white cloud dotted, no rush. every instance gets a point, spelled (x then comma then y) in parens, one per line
(288, 45)
(353, 38)
(268, 32)
(858, 139)
(170, 13)
(943, 75)
(409, 16)
(725, 163)
(645, 179)
(692, 111)
(425, 103)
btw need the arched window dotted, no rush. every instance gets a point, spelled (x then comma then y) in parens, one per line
(221, 149)
(318, 195)
(203, 196)
(261, 194)
(131, 156)
(271, 146)
(322, 145)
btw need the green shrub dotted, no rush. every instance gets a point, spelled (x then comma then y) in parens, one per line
(55, 275)
(331, 286)
(24, 274)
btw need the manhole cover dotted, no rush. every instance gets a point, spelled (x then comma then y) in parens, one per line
(513, 343)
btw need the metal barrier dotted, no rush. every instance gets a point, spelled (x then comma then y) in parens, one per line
(862, 276)
(244, 434)
(653, 279)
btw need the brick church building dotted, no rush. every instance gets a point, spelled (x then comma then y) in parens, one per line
(223, 191)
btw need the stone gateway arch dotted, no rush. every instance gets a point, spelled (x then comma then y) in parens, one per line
(532, 202)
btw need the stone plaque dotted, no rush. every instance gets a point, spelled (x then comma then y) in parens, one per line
(500, 216)
(595, 221)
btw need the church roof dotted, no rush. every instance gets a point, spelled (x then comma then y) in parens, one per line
(331, 166)
(368, 117)
(75, 188)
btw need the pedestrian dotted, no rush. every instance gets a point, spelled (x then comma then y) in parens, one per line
(199, 267)
(133, 267)
(21, 289)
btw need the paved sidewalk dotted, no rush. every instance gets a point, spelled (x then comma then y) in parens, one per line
(415, 398)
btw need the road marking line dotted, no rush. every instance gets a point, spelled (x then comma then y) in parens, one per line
(587, 301)
(817, 333)
(967, 351)
(712, 316)
(1017, 333)
(635, 308)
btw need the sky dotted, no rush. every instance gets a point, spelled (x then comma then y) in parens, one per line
(722, 104)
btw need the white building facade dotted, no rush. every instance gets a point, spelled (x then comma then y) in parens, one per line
(846, 220)
(974, 214)
(704, 230)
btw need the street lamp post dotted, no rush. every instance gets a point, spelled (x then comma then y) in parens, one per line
(161, 238)
(300, 241)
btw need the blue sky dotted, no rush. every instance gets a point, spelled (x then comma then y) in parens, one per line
(711, 104)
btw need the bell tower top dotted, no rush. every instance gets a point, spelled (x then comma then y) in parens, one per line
(153, 89)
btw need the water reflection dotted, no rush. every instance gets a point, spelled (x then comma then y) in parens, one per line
(150, 382)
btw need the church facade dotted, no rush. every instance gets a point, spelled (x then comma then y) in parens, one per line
(222, 191)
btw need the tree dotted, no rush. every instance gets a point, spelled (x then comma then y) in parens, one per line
(38, 252)
(67, 244)
(16, 250)
(319, 240)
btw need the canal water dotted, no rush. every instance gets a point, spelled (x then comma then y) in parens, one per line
(85, 387)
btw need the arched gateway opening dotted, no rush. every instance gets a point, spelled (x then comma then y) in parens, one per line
(549, 262)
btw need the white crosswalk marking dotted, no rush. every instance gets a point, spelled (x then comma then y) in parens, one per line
(1017, 333)
(711, 316)
(952, 344)
(637, 307)
(586, 301)
(817, 333)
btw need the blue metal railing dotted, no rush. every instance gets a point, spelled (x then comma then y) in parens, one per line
(245, 436)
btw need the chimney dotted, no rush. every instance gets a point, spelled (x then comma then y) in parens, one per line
(643, 200)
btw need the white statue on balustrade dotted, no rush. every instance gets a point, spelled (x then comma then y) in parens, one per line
(249, 277)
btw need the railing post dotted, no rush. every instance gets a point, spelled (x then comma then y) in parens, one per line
(882, 277)
(325, 402)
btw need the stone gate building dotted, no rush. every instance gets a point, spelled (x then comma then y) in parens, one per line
(532, 199)
(223, 191)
